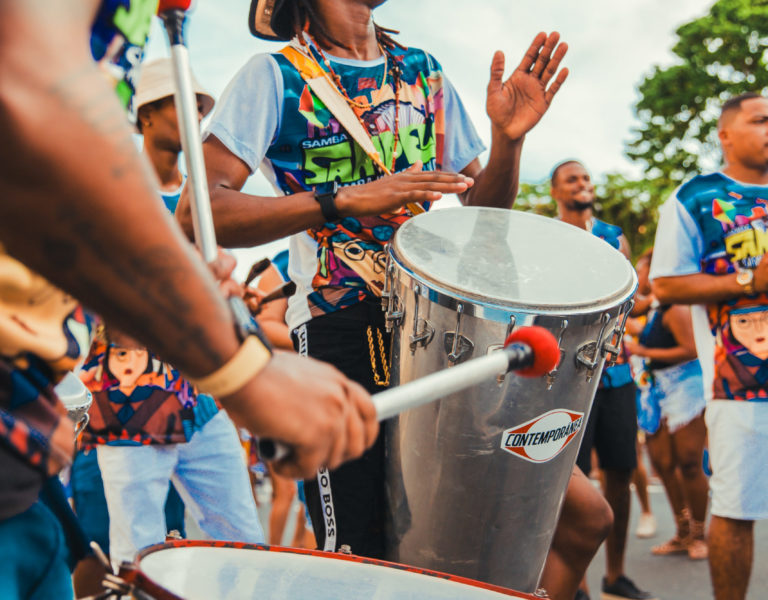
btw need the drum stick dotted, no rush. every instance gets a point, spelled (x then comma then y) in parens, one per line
(531, 351)
(257, 269)
(286, 290)
(173, 14)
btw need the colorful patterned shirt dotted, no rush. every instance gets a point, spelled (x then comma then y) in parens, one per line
(714, 224)
(268, 116)
(138, 399)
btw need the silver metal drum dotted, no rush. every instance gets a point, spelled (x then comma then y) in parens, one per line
(476, 480)
(76, 398)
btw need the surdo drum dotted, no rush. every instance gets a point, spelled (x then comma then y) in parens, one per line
(475, 481)
(193, 570)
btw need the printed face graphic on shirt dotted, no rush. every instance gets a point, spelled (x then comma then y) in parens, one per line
(127, 365)
(749, 327)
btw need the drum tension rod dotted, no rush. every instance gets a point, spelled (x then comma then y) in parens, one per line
(614, 349)
(589, 354)
(552, 375)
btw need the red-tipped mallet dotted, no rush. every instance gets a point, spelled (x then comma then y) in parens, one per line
(529, 351)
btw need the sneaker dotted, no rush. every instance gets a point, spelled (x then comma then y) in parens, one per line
(623, 589)
(581, 595)
(646, 526)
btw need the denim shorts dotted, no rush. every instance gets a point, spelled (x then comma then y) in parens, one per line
(675, 394)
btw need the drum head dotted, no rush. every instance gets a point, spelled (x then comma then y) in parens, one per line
(194, 570)
(513, 259)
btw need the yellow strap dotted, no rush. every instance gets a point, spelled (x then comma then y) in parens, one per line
(308, 68)
(247, 362)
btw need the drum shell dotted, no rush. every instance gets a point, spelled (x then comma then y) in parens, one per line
(459, 502)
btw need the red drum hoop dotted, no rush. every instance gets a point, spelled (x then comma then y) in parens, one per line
(149, 586)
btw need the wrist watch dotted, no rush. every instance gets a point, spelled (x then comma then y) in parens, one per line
(746, 279)
(327, 203)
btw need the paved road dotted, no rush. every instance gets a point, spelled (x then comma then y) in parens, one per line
(676, 577)
(670, 577)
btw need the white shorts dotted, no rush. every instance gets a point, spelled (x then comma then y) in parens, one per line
(738, 438)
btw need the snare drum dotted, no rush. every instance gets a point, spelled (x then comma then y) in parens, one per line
(76, 398)
(475, 481)
(192, 570)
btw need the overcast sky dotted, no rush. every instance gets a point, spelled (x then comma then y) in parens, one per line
(612, 45)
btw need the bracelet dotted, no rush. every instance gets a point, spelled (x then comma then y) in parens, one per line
(247, 362)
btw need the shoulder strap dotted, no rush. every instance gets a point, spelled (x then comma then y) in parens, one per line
(318, 82)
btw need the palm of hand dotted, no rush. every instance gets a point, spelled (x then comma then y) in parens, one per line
(517, 104)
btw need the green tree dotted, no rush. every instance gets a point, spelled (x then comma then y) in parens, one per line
(719, 55)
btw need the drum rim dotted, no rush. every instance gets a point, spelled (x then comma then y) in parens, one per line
(443, 288)
(136, 576)
(445, 296)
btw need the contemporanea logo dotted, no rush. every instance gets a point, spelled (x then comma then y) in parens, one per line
(541, 439)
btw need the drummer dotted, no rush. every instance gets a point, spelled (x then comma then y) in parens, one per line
(342, 210)
(80, 208)
(612, 425)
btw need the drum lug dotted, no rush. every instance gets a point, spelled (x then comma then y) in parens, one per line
(552, 375)
(588, 355)
(423, 332)
(457, 346)
(618, 332)
(393, 317)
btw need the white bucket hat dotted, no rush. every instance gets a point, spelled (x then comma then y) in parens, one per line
(156, 83)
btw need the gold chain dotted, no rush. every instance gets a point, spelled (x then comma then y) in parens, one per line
(376, 377)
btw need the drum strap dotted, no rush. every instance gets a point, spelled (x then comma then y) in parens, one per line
(323, 475)
(329, 514)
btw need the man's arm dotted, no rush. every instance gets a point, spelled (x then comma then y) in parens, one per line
(699, 288)
(79, 207)
(244, 220)
(496, 185)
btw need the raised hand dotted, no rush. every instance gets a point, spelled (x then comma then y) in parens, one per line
(517, 104)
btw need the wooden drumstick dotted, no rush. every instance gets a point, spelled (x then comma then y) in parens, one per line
(257, 269)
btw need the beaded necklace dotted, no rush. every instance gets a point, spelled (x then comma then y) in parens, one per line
(334, 79)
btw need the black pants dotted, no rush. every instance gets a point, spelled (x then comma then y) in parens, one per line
(611, 430)
(354, 511)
